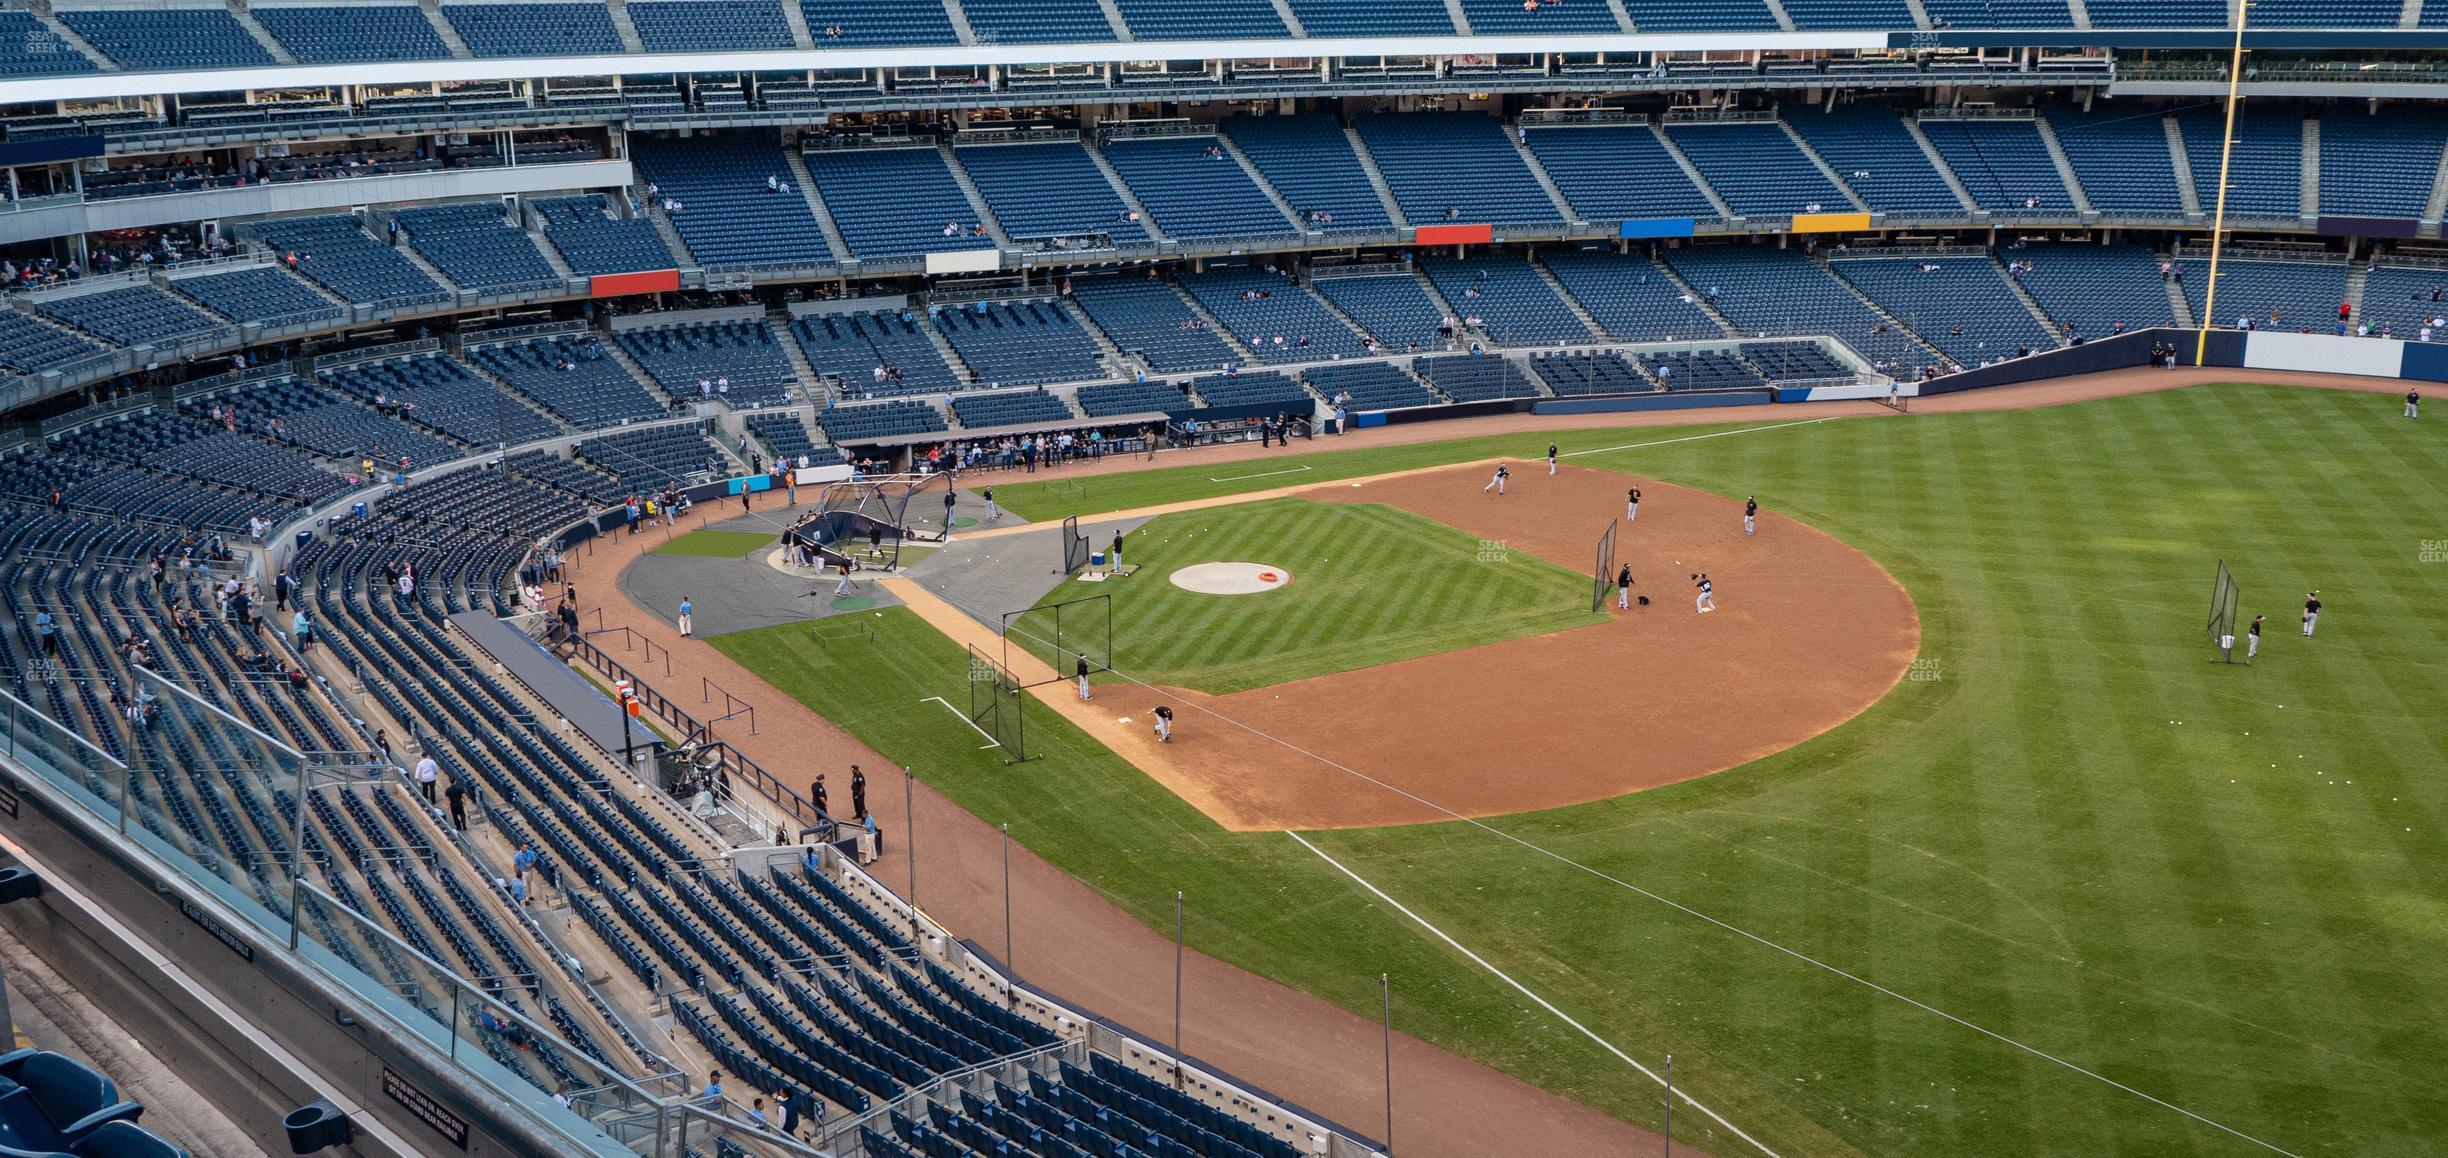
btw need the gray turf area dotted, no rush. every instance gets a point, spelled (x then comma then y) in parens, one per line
(740, 594)
(987, 577)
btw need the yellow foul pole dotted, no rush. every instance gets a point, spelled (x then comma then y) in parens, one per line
(2218, 217)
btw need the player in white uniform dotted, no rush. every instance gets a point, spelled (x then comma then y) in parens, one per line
(1623, 588)
(1551, 460)
(1497, 484)
(1632, 505)
(1750, 512)
(1164, 724)
(2312, 610)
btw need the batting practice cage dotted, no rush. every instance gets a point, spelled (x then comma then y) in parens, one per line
(994, 705)
(1074, 546)
(868, 519)
(2223, 596)
(1602, 577)
(1059, 635)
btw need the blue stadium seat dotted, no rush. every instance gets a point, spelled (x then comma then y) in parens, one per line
(131, 315)
(1358, 386)
(1518, 305)
(1632, 299)
(2157, 13)
(1362, 18)
(535, 29)
(2120, 154)
(477, 248)
(1020, 343)
(895, 202)
(1275, 316)
(1959, 304)
(845, 23)
(577, 382)
(1217, 20)
(169, 38)
(28, 48)
(1393, 308)
(1869, 146)
(593, 242)
(1011, 408)
(2379, 166)
(264, 295)
(1757, 169)
(354, 33)
(1454, 167)
(1999, 13)
(2003, 164)
(1612, 172)
(853, 347)
(1037, 21)
(1768, 292)
(870, 421)
(1310, 163)
(728, 215)
(2095, 289)
(2280, 296)
(681, 356)
(1048, 189)
(1147, 320)
(1510, 18)
(2264, 167)
(1195, 189)
(338, 255)
(1701, 15)
(710, 25)
(28, 346)
(1892, 15)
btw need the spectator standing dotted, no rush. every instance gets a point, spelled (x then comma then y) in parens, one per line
(457, 794)
(427, 772)
(858, 791)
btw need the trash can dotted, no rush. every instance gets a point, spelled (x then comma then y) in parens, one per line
(357, 510)
(304, 539)
(317, 1125)
(1097, 559)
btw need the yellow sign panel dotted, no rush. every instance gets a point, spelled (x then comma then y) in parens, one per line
(1831, 222)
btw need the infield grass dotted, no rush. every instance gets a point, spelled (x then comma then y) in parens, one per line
(1370, 585)
(2222, 886)
(715, 544)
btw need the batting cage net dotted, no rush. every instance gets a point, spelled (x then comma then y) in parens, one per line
(1074, 546)
(869, 518)
(994, 705)
(2224, 595)
(1602, 577)
(1061, 634)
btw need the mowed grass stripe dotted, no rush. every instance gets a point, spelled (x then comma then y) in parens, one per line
(2026, 842)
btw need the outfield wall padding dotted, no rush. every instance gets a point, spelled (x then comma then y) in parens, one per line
(2325, 354)
(1664, 401)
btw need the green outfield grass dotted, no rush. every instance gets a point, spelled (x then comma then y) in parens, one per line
(2219, 885)
(715, 544)
(1370, 585)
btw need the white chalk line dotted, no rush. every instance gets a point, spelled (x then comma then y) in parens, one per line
(991, 741)
(1524, 990)
(1260, 474)
(1697, 437)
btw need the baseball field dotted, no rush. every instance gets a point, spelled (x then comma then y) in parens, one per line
(1990, 858)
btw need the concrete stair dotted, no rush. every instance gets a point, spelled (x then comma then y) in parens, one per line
(1215, 325)
(1623, 15)
(627, 30)
(2438, 201)
(2183, 160)
(961, 368)
(806, 183)
(1724, 212)
(1377, 181)
(796, 18)
(1122, 189)
(1570, 302)
(1115, 359)
(671, 237)
(1776, 8)
(977, 200)
(2081, 12)
(1539, 171)
(1282, 206)
(1920, 14)
(2065, 165)
(442, 28)
(1461, 18)
(1113, 16)
(2358, 274)
(1693, 292)
(263, 36)
(1339, 315)
(1873, 306)
(552, 257)
(639, 372)
(2178, 307)
(779, 321)
(960, 21)
(2410, 15)
(2014, 285)
(65, 35)
(2311, 168)
(516, 396)
(1825, 170)
(404, 249)
(1954, 183)
(1291, 19)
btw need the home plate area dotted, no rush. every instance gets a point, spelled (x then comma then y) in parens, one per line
(1230, 578)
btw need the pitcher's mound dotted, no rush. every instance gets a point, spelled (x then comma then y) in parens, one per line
(1230, 578)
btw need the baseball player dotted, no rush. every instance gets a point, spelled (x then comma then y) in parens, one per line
(1551, 460)
(2252, 638)
(993, 512)
(2312, 608)
(844, 568)
(686, 607)
(2413, 403)
(1082, 667)
(1632, 505)
(1116, 557)
(1497, 484)
(1164, 724)
(1707, 602)
(1750, 512)
(1623, 588)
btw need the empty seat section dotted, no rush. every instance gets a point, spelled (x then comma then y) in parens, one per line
(1111, 399)
(2264, 166)
(853, 348)
(1515, 18)
(1610, 172)
(1700, 15)
(1590, 372)
(654, 456)
(1216, 20)
(578, 382)
(1195, 189)
(710, 25)
(1021, 343)
(138, 313)
(1516, 305)
(894, 202)
(2326, 14)
(28, 48)
(2158, 13)
(2120, 154)
(1700, 370)
(1358, 386)
(1353, 18)
(1794, 361)
(876, 420)
(2094, 287)
(1148, 321)
(1394, 308)
(788, 438)
(1037, 21)
(1757, 169)
(2003, 164)
(1310, 162)
(28, 346)
(682, 357)
(1476, 377)
(2284, 296)
(354, 33)
(1011, 408)
(535, 29)
(333, 252)
(318, 420)
(728, 215)
(843, 23)
(2404, 299)
(1263, 389)
(1871, 149)
(438, 392)
(2000, 13)
(593, 242)
(1766, 292)
(1632, 299)
(169, 38)
(2379, 166)
(476, 247)
(1850, 14)
(1273, 315)
(1959, 304)
(1049, 189)
(1454, 167)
